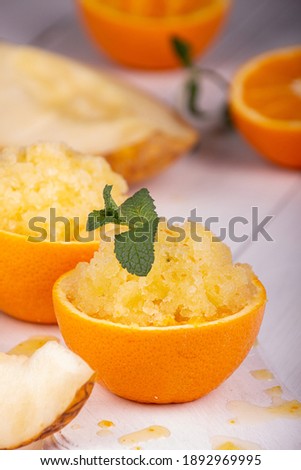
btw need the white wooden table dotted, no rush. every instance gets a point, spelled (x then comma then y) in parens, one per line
(225, 178)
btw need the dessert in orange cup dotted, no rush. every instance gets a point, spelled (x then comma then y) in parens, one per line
(171, 336)
(33, 180)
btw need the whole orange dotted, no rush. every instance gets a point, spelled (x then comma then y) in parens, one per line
(266, 105)
(140, 36)
(171, 364)
(29, 270)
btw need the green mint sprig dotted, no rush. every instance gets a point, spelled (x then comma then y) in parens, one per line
(134, 248)
(193, 85)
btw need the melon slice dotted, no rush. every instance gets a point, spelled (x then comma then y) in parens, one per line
(40, 394)
(48, 97)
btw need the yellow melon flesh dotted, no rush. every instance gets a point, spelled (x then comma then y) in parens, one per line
(40, 394)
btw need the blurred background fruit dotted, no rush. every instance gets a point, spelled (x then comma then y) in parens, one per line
(139, 34)
(266, 104)
(157, 7)
(92, 111)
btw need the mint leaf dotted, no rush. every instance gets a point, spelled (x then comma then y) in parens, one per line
(193, 85)
(193, 93)
(139, 208)
(108, 215)
(110, 204)
(134, 248)
(182, 50)
(136, 257)
(95, 220)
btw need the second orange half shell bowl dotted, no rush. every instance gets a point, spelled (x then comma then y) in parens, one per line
(173, 364)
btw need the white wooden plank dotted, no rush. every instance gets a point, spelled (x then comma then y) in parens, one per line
(278, 264)
(22, 21)
(225, 179)
(192, 426)
(253, 28)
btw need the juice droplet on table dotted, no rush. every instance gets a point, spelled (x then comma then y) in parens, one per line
(276, 394)
(262, 374)
(75, 426)
(232, 443)
(250, 413)
(152, 432)
(105, 424)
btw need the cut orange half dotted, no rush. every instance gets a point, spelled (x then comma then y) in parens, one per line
(266, 105)
(160, 364)
(139, 34)
(29, 270)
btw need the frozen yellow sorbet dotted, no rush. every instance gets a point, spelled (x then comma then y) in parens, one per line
(190, 282)
(49, 181)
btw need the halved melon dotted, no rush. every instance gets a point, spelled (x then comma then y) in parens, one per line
(48, 97)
